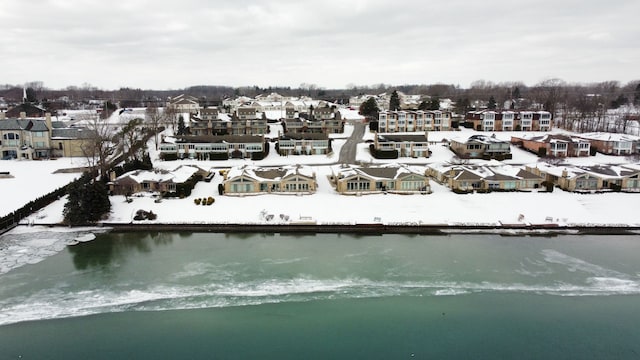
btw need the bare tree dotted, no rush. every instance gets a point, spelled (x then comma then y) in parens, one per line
(100, 148)
(154, 118)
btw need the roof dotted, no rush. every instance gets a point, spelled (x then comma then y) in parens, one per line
(402, 138)
(72, 133)
(602, 136)
(304, 136)
(270, 174)
(233, 139)
(23, 124)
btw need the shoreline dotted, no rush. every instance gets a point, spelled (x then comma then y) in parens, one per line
(372, 229)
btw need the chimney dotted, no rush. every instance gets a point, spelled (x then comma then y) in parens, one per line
(23, 115)
(47, 119)
(2, 115)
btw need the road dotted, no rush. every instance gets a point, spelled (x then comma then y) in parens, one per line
(349, 149)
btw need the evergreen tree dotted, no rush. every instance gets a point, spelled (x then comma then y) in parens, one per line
(182, 129)
(394, 101)
(86, 203)
(492, 103)
(423, 105)
(72, 212)
(369, 108)
(636, 97)
(516, 93)
(434, 104)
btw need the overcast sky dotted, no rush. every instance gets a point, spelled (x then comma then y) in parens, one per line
(163, 44)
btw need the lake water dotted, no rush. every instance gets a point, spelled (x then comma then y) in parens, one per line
(271, 296)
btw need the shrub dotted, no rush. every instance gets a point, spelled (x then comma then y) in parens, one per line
(169, 157)
(210, 200)
(197, 201)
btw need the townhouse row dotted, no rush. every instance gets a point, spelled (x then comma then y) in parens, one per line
(392, 178)
(293, 179)
(509, 120)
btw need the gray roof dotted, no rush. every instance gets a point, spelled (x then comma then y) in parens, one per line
(402, 138)
(304, 136)
(23, 124)
(234, 139)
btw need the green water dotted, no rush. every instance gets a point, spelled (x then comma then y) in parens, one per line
(257, 296)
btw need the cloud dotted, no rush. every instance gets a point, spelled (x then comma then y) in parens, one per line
(168, 44)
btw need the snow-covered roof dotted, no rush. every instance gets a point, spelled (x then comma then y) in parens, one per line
(270, 173)
(604, 136)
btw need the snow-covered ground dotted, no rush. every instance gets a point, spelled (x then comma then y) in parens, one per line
(442, 207)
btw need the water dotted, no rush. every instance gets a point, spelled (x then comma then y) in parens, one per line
(201, 295)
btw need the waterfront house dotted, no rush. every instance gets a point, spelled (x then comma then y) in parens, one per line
(481, 147)
(467, 178)
(401, 179)
(296, 179)
(555, 145)
(161, 181)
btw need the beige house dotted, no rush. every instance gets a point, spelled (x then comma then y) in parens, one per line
(245, 180)
(591, 178)
(72, 142)
(24, 138)
(399, 179)
(468, 178)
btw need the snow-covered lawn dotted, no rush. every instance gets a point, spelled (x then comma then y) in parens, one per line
(328, 207)
(29, 180)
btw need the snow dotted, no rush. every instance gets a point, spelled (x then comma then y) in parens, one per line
(326, 206)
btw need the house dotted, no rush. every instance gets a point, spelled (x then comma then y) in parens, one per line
(161, 181)
(303, 144)
(323, 120)
(184, 104)
(245, 180)
(407, 145)
(24, 138)
(72, 141)
(509, 120)
(612, 144)
(465, 178)
(248, 121)
(210, 147)
(210, 121)
(556, 145)
(481, 147)
(414, 121)
(400, 179)
(568, 178)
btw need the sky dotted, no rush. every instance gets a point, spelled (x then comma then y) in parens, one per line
(159, 44)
